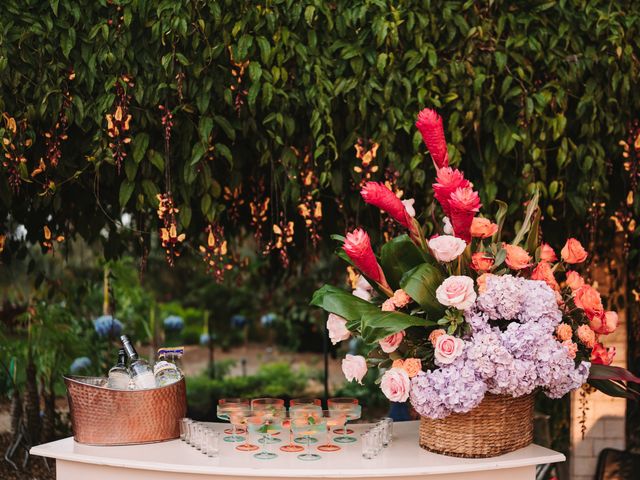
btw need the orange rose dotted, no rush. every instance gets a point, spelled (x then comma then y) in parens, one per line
(517, 257)
(588, 299)
(482, 282)
(564, 332)
(483, 227)
(433, 336)
(481, 262)
(601, 355)
(573, 252)
(604, 324)
(543, 272)
(547, 254)
(574, 280)
(586, 336)
(412, 366)
(399, 363)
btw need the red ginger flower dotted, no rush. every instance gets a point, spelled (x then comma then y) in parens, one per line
(601, 355)
(464, 203)
(379, 195)
(430, 125)
(357, 246)
(448, 180)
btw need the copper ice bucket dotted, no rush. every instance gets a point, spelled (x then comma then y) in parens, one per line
(103, 416)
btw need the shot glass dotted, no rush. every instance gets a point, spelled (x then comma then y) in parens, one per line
(366, 443)
(388, 422)
(211, 443)
(184, 429)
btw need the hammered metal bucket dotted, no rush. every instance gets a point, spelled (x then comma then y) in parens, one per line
(103, 416)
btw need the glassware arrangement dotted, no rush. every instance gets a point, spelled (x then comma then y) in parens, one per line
(376, 438)
(200, 436)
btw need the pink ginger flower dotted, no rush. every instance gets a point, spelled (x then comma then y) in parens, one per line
(357, 246)
(464, 203)
(379, 195)
(430, 125)
(448, 181)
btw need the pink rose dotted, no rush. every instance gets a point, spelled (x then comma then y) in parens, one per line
(447, 349)
(395, 385)
(392, 342)
(388, 305)
(456, 291)
(354, 367)
(604, 323)
(337, 327)
(586, 336)
(400, 298)
(446, 248)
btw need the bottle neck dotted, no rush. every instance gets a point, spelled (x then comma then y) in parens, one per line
(128, 348)
(122, 358)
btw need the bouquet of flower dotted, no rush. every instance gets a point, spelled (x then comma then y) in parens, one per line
(450, 318)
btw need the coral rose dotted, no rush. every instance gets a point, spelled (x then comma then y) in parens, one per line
(547, 254)
(586, 336)
(482, 282)
(588, 299)
(354, 367)
(395, 385)
(430, 125)
(601, 355)
(412, 366)
(447, 349)
(379, 195)
(388, 305)
(543, 272)
(481, 262)
(357, 246)
(446, 248)
(433, 336)
(574, 280)
(564, 332)
(400, 298)
(573, 252)
(337, 327)
(483, 227)
(397, 363)
(517, 257)
(392, 342)
(456, 291)
(572, 348)
(605, 323)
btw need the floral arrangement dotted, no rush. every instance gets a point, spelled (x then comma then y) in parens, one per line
(463, 313)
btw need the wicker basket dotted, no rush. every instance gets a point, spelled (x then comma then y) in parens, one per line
(500, 424)
(103, 416)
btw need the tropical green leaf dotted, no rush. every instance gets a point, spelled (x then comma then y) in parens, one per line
(614, 389)
(398, 256)
(421, 284)
(500, 217)
(526, 224)
(377, 325)
(342, 303)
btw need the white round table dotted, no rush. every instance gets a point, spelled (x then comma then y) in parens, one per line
(175, 460)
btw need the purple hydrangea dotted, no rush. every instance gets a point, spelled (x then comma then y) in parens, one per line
(515, 362)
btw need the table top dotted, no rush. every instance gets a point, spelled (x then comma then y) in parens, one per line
(403, 457)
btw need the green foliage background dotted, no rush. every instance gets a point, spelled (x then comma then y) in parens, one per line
(533, 94)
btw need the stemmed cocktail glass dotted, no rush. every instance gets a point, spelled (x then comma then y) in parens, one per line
(352, 410)
(333, 419)
(266, 425)
(269, 406)
(227, 406)
(307, 426)
(306, 410)
(240, 419)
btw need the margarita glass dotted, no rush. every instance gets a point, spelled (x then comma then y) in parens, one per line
(333, 418)
(307, 426)
(240, 419)
(270, 406)
(308, 410)
(224, 411)
(266, 426)
(353, 411)
(228, 402)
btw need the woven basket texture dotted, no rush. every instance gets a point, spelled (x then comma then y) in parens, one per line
(500, 424)
(103, 416)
